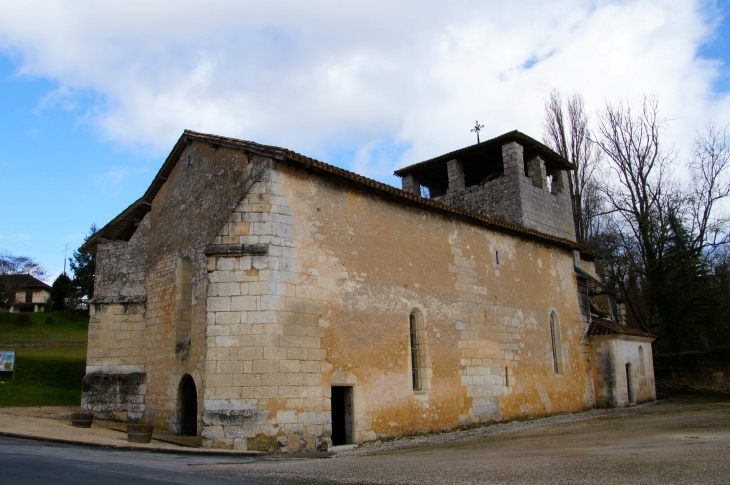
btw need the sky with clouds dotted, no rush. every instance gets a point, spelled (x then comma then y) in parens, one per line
(93, 95)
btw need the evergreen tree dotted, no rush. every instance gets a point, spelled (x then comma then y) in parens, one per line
(83, 266)
(61, 289)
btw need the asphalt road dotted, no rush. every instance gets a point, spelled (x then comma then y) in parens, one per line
(27, 462)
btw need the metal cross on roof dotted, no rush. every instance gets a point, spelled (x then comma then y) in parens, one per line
(476, 129)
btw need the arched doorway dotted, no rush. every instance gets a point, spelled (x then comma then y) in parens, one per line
(189, 407)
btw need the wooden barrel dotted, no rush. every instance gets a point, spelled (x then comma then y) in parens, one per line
(139, 433)
(82, 420)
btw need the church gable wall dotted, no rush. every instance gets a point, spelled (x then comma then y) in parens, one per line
(132, 333)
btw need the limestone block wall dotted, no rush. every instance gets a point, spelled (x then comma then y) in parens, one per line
(114, 385)
(167, 358)
(329, 305)
(264, 357)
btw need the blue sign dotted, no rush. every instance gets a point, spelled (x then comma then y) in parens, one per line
(7, 360)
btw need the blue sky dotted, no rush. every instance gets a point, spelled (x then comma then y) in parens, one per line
(93, 97)
(59, 174)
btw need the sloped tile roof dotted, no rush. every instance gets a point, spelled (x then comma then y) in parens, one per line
(600, 326)
(123, 226)
(23, 281)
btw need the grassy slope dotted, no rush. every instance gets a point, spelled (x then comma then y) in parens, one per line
(63, 329)
(45, 376)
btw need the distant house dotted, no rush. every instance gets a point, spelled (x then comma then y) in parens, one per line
(31, 294)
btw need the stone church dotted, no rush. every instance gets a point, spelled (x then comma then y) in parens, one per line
(264, 300)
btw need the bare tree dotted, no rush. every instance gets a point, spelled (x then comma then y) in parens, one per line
(571, 139)
(10, 265)
(710, 183)
(640, 166)
(639, 193)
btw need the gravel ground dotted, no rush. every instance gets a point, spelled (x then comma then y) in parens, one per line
(675, 441)
(61, 413)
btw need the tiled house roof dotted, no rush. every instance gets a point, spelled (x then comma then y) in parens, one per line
(600, 326)
(23, 281)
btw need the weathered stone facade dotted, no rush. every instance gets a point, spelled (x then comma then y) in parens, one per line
(286, 289)
(524, 199)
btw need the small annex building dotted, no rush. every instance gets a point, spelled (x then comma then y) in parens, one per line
(28, 293)
(268, 301)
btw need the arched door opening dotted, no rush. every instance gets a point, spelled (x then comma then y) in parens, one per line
(189, 407)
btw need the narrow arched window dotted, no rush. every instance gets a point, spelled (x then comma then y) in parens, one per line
(642, 368)
(555, 342)
(184, 300)
(415, 354)
(420, 361)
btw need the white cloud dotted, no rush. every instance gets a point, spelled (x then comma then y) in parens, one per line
(323, 76)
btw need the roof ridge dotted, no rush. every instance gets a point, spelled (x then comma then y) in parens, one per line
(311, 163)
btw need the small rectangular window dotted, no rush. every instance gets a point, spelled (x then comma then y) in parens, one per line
(29, 297)
(496, 255)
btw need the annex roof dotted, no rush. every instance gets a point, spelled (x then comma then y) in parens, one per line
(600, 326)
(124, 225)
(23, 281)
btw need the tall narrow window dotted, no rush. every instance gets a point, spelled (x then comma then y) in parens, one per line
(642, 368)
(420, 362)
(555, 341)
(415, 357)
(184, 300)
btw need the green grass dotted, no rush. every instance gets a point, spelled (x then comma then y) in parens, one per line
(44, 376)
(62, 330)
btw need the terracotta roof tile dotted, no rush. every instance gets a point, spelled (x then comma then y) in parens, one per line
(122, 225)
(600, 326)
